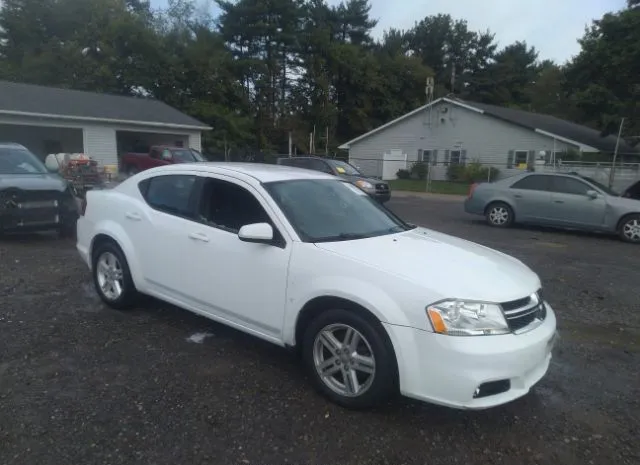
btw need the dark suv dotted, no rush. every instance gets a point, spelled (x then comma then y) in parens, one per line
(376, 188)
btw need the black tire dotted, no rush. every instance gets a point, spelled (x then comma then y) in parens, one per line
(383, 384)
(499, 215)
(629, 229)
(129, 295)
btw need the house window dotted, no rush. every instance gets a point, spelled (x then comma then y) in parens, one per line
(521, 158)
(455, 157)
(424, 156)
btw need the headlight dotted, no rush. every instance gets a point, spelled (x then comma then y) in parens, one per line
(364, 185)
(467, 318)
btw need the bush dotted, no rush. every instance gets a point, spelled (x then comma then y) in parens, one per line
(473, 172)
(403, 174)
(419, 170)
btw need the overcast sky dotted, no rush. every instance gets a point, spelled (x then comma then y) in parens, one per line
(552, 26)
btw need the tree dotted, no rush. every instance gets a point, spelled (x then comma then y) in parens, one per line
(603, 78)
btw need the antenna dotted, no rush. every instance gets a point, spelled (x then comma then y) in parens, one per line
(429, 92)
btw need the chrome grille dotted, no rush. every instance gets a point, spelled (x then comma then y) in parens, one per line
(522, 313)
(382, 187)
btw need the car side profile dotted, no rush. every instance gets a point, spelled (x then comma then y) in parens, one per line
(306, 260)
(560, 200)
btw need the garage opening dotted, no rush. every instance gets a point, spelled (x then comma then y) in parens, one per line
(131, 141)
(43, 140)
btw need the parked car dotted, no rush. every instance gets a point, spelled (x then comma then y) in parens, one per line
(32, 198)
(308, 261)
(158, 155)
(376, 188)
(562, 200)
(633, 191)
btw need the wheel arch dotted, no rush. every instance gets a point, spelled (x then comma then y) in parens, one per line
(624, 217)
(112, 232)
(320, 304)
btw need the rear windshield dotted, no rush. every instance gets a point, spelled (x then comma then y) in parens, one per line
(17, 160)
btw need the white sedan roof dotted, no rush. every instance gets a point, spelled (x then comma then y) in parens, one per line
(259, 171)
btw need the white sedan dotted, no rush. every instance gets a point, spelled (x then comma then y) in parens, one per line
(305, 260)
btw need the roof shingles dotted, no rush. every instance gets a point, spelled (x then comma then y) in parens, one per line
(35, 99)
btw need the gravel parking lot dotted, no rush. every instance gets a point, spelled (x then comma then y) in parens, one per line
(81, 384)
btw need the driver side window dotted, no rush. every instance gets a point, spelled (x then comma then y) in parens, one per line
(166, 155)
(227, 206)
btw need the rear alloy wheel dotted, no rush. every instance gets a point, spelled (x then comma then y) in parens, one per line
(629, 230)
(348, 359)
(112, 278)
(500, 215)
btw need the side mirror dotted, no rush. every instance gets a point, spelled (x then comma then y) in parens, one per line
(256, 232)
(592, 194)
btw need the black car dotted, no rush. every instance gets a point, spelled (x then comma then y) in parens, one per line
(632, 192)
(32, 198)
(376, 188)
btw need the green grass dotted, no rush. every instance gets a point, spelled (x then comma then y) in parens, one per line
(436, 187)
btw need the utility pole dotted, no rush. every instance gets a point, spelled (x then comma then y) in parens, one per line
(615, 155)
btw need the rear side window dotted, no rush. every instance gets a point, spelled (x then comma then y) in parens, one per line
(533, 182)
(564, 185)
(170, 194)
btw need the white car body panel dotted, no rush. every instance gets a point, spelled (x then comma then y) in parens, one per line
(261, 289)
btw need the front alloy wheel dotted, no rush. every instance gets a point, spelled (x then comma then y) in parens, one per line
(109, 276)
(350, 358)
(630, 229)
(344, 360)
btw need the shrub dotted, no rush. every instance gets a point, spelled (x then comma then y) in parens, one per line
(473, 172)
(403, 174)
(420, 170)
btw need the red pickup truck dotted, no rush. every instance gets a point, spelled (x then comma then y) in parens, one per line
(158, 155)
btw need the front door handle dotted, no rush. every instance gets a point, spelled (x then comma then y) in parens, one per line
(133, 216)
(199, 237)
(559, 201)
(518, 196)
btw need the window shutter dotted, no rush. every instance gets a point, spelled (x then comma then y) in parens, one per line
(511, 158)
(446, 157)
(434, 157)
(463, 157)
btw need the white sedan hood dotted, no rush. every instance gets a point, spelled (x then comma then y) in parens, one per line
(446, 265)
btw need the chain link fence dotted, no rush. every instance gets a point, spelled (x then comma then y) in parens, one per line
(428, 175)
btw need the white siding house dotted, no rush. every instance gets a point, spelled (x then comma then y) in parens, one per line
(50, 120)
(451, 131)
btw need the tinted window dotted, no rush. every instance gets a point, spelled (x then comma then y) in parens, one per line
(565, 185)
(602, 187)
(16, 160)
(344, 168)
(328, 210)
(533, 183)
(227, 206)
(170, 194)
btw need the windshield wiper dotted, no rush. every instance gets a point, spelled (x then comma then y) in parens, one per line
(343, 237)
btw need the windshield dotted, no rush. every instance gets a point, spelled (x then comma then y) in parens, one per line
(344, 168)
(326, 210)
(16, 160)
(197, 155)
(185, 155)
(602, 187)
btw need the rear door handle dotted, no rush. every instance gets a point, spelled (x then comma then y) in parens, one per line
(133, 216)
(518, 196)
(199, 237)
(559, 201)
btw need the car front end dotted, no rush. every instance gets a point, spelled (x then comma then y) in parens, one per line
(478, 354)
(376, 188)
(30, 210)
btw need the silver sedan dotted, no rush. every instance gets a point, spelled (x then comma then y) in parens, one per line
(562, 200)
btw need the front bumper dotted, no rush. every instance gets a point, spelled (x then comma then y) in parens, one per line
(25, 217)
(447, 370)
